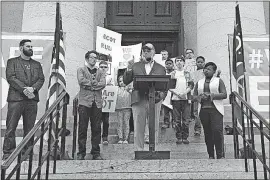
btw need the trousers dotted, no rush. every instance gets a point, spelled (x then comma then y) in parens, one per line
(123, 116)
(212, 121)
(105, 124)
(28, 110)
(198, 124)
(94, 113)
(140, 115)
(181, 113)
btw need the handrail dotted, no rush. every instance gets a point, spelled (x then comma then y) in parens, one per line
(45, 125)
(249, 144)
(252, 110)
(75, 124)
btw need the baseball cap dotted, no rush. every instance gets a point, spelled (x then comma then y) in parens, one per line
(148, 46)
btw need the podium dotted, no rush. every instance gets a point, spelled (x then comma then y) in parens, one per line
(150, 84)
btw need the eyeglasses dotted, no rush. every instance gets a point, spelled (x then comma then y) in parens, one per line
(93, 57)
(103, 66)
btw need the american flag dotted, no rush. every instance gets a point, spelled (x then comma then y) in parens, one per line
(57, 80)
(238, 55)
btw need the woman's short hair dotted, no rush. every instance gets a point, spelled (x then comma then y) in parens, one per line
(211, 64)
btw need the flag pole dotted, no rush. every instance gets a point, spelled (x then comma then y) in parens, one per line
(230, 66)
(57, 44)
(244, 78)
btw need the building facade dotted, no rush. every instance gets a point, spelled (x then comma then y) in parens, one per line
(170, 25)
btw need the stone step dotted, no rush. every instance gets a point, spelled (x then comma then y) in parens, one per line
(171, 168)
(157, 175)
(113, 130)
(195, 150)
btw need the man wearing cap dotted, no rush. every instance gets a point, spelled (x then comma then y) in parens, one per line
(139, 99)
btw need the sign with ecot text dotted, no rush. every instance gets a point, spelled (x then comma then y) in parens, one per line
(109, 97)
(106, 40)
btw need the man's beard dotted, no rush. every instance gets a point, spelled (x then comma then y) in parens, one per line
(28, 53)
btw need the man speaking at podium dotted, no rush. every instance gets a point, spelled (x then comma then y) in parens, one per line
(140, 99)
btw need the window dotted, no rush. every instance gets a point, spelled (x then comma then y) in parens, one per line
(124, 8)
(163, 8)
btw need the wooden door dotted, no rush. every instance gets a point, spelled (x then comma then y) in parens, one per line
(156, 22)
(161, 41)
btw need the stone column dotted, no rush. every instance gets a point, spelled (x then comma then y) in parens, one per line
(215, 20)
(79, 23)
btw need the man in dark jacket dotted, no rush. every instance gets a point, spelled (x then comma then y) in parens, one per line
(25, 77)
(139, 98)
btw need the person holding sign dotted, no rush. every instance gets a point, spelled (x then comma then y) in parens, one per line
(139, 99)
(166, 107)
(91, 80)
(103, 66)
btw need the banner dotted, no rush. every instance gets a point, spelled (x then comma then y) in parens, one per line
(127, 53)
(158, 59)
(42, 52)
(107, 40)
(130, 51)
(256, 56)
(109, 97)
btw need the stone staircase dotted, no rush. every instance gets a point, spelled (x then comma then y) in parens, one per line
(186, 161)
(150, 169)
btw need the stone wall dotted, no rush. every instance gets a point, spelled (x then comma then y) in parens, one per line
(11, 16)
(266, 14)
(215, 20)
(189, 13)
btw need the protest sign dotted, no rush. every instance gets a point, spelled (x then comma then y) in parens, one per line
(109, 97)
(167, 100)
(130, 51)
(158, 59)
(117, 55)
(121, 55)
(107, 40)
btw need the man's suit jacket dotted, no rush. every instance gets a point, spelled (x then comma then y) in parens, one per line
(90, 93)
(17, 78)
(138, 68)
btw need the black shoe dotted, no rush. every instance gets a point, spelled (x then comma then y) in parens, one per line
(211, 157)
(179, 141)
(185, 141)
(67, 132)
(221, 157)
(105, 141)
(97, 157)
(80, 157)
